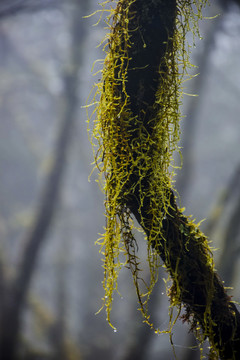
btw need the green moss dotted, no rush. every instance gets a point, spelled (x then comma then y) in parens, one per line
(136, 132)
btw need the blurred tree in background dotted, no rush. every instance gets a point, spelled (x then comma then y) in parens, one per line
(50, 215)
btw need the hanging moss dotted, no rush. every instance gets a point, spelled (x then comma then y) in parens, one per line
(136, 132)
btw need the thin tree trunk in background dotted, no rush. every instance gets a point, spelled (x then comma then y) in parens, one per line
(231, 247)
(184, 176)
(61, 305)
(230, 251)
(17, 291)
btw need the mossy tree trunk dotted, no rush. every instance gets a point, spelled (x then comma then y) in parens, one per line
(181, 246)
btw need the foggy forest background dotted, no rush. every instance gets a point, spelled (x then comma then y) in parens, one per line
(47, 49)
